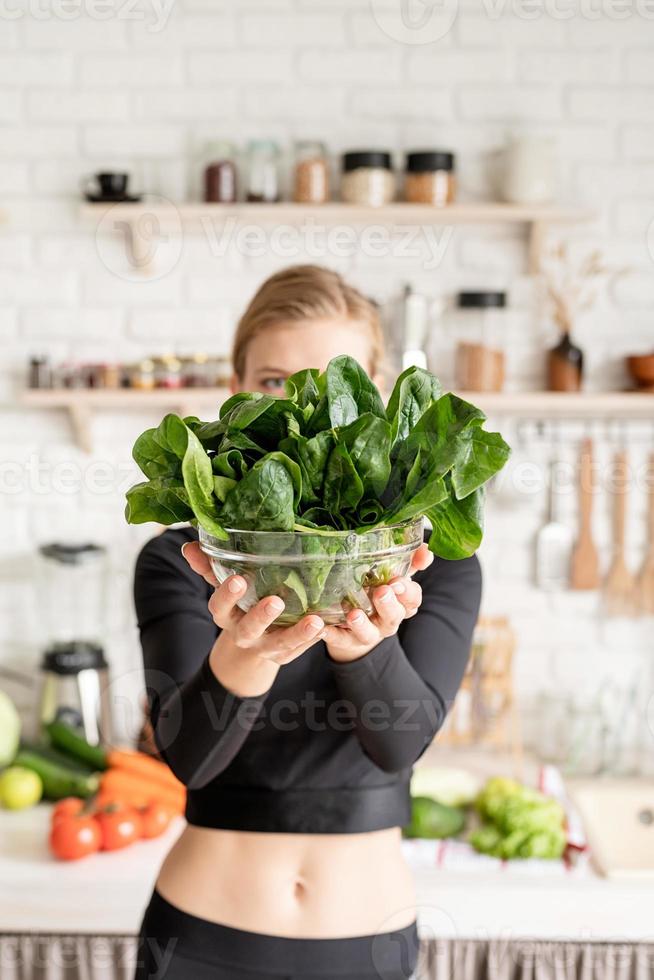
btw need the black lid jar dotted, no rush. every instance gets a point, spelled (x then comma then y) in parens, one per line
(429, 177)
(480, 324)
(368, 178)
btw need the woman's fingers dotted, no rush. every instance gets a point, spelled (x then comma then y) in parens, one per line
(422, 558)
(408, 594)
(199, 562)
(288, 643)
(361, 628)
(222, 604)
(256, 621)
(390, 611)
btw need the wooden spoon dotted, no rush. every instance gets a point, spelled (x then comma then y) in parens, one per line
(619, 586)
(584, 573)
(646, 577)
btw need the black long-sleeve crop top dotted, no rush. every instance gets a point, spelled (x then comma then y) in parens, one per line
(329, 748)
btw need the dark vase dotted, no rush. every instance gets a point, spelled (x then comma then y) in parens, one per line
(565, 366)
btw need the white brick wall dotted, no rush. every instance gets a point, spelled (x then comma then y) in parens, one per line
(81, 94)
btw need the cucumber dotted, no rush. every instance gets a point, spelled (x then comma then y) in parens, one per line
(58, 780)
(63, 759)
(70, 740)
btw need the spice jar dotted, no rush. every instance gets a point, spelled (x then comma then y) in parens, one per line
(429, 178)
(220, 178)
(311, 177)
(368, 178)
(263, 172)
(142, 375)
(167, 372)
(40, 372)
(196, 371)
(479, 354)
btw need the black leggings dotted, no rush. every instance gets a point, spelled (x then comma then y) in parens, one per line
(174, 945)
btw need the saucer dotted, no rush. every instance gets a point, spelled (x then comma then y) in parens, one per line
(113, 199)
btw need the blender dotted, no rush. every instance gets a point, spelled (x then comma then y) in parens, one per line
(74, 671)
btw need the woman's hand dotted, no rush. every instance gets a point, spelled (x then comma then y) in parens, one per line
(246, 658)
(395, 602)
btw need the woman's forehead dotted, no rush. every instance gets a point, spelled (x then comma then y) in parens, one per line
(290, 347)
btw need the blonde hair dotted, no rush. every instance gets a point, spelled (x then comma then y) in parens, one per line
(306, 292)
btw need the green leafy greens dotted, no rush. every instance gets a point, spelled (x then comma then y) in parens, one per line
(328, 456)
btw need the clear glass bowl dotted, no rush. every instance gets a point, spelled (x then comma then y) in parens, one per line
(327, 573)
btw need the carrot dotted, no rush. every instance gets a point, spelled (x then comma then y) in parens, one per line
(127, 787)
(143, 765)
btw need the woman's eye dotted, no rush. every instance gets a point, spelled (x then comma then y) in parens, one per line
(272, 384)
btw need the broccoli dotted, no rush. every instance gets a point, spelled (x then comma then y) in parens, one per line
(520, 822)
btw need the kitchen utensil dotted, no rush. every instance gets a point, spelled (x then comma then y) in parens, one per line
(75, 688)
(72, 591)
(554, 544)
(646, 576)
(619, 586)
(415, 317)
(74, 673)
(585, 563)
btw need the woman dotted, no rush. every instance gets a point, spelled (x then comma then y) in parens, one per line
(296, 744)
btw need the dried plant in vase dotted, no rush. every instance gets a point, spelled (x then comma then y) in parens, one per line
(570, 288)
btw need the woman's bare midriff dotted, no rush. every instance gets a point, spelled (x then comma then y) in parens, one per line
(308, 886)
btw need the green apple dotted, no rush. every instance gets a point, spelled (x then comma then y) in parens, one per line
(19, 788)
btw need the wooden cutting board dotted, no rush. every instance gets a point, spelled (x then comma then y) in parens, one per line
(618, 817)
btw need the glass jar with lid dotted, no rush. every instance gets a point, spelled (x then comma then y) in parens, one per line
(263, 179)
(429, 177)
(368, 178)
(480, 327)
(196, 371)
(167, 371)
(311, 173)
(220, 173)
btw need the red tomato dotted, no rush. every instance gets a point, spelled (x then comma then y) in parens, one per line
(69, 807)
(119, 826)
(74, 837)
(155, 818)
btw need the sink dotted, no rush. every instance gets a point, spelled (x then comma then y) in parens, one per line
(618, 817)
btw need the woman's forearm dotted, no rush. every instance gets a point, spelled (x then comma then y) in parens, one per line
(240, 671)
(201, 724)
(396, 712)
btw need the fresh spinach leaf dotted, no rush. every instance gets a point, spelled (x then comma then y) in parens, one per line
(414, 392)
(262, 500)
(457, 526)
(343, 487)
(349, 392)
(483, 455)
(368, 442)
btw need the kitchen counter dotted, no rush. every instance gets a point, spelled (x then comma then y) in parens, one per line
(106, 893)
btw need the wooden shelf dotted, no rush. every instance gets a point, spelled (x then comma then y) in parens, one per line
(621, 405)
(140, 219)
(81, 403)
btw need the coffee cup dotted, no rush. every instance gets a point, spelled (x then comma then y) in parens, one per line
(106, 185)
